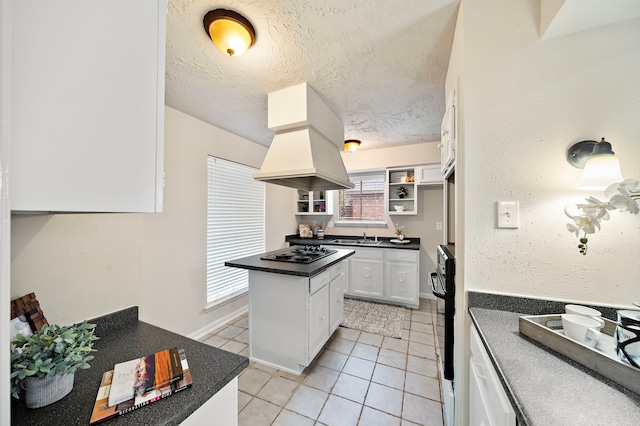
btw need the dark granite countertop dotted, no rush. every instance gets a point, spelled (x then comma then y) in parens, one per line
(329, 240)
(123, 337)
(254, 263)
(546, 388)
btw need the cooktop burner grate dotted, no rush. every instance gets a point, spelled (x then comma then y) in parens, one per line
(300, 254)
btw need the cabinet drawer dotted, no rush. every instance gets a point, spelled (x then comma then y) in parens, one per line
(337, 270)
(369, 254)
(403, 255)
(319, 281)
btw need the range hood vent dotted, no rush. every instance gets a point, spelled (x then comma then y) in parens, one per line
(305, 151)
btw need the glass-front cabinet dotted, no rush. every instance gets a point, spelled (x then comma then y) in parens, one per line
(314, 202)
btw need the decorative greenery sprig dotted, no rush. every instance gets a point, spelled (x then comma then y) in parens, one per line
(402, 192)
(622, 196)
(399, 230)
(49, 351)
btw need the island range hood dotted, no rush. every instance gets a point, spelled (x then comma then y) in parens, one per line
(305, 151)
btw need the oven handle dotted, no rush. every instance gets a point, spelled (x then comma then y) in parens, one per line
(434, 277)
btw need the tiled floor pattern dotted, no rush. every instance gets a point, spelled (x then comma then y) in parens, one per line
(358, 379)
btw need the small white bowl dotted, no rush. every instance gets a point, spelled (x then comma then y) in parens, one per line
(400, 208)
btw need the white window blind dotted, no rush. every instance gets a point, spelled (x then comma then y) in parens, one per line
(365, 201)
(235, 227)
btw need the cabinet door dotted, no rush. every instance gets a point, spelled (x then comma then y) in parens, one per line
(336, 302)
(318, 320)
(402, 281)
(429, 174)
(87, 105)
(478, 415)
(367, 278)
(486, 391)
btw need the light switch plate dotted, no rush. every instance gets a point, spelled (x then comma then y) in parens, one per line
(508, 214)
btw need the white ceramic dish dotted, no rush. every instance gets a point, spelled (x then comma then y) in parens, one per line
(400, 241)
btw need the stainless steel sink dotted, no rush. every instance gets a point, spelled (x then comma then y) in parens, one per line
(355, 242)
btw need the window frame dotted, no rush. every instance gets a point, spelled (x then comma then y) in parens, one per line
(355, 177)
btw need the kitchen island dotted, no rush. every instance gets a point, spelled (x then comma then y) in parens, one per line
(544, 387)
(294, 308)
(123, 337)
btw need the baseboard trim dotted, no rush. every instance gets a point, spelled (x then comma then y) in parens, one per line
(199, 334)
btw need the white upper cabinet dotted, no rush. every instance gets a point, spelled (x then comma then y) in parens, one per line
(87, 105)
(449, 133)
(429, 174)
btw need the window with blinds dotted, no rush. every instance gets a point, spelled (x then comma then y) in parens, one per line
(364, 202)
(235, 227)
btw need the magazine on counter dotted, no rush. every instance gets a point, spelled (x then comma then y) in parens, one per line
(102, 411)
(141, 375)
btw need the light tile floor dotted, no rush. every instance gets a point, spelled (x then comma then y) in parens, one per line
(358, 379)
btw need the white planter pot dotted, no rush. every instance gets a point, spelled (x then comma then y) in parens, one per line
(41, 391)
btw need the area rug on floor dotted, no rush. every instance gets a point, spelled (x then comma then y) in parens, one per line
(376, 318)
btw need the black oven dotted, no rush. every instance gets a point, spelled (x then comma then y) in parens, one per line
(443, 285)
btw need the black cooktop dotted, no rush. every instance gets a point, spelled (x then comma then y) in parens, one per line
(300, 254)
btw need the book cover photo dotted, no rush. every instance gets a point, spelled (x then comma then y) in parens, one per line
(102, 411)
(138, 376)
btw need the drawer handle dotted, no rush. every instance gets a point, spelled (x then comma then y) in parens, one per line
(480, 371)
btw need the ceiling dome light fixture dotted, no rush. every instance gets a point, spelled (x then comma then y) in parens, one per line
(601, 167)
(350, 145)
(231, 32)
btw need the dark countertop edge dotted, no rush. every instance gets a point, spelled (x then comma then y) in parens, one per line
(254, 263)
(529, 306)
(122, 337)
(295, 239)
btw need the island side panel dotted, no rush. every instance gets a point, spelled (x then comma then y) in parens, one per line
(278, 320)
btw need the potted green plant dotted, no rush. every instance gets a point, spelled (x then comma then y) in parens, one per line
(44, 363)
(402, 192)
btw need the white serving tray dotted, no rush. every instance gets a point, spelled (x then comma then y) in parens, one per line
(603, 359)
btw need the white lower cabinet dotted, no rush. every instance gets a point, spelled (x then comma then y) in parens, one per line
(402, 275)
(388, 275)
(488, 402)
(318, 319)
(291, 318)
(221, 406)
(367, 278)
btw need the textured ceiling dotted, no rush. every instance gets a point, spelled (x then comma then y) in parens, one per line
(379, 64)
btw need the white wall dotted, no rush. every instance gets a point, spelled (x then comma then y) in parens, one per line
(5, 218)
(526, 101)
(175, 241)
(82, 266)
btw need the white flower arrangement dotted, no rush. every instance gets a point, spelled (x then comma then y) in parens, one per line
(399, 230)
(622, 196)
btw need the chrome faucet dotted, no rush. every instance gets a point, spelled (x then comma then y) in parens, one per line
(364, 236)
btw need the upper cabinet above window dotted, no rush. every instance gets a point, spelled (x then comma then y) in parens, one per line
(87, 106)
